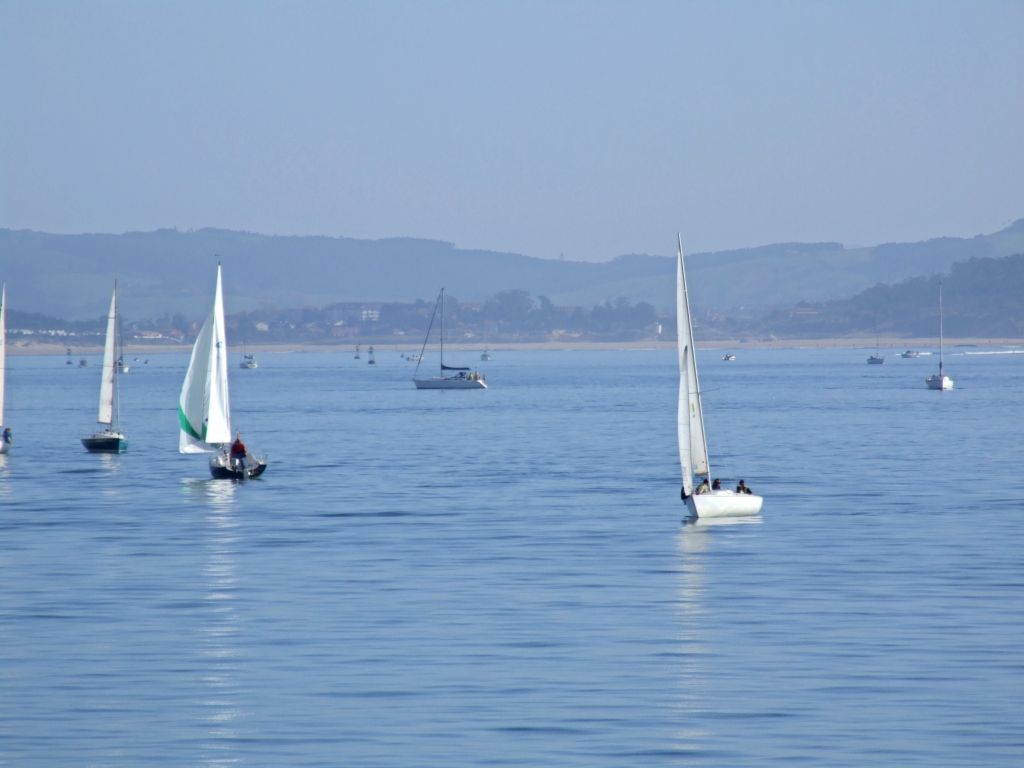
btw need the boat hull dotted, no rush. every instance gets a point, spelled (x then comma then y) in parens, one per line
(222, 469)
(105, 442)
(724, 504)
(450, 382)
(939, 382)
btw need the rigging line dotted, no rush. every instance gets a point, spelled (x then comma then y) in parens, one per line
(426, 338)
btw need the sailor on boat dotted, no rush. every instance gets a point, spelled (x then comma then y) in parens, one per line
(238, 453)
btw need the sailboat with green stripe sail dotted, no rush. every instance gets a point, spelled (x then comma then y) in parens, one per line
(204, 408)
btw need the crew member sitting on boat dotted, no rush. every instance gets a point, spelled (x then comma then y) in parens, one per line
(7, 438)
(717, 485)
(703, 487)
(238, 452)
(742, 488)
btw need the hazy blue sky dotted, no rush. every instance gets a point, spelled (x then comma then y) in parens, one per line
(588, 129)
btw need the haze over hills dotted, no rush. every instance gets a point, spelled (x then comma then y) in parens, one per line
(168, 272)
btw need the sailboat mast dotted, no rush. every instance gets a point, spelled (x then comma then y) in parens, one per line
(442, 331)
(940, 332)
(116, 369)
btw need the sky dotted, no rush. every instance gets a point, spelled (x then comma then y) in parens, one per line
(556, 129)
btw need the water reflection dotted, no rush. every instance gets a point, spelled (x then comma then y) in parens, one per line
(692, 543)
(208, 493)
(6, 491)
(219, 649)
(704, 523)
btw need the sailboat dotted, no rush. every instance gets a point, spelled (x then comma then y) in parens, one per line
(204, 408)
(249, 362)
(460, 378)
(877, 358)
(110, 439)
(939, 381)
(5, 431)
(702, 501)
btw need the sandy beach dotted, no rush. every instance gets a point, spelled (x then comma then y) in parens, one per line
(21, 347)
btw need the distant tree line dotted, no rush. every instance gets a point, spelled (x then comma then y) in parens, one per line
(983, 297)
(513, 315)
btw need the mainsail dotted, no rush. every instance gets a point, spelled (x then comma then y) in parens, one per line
(693, 449)
(3, 348)
(108, 382)
(204, 411)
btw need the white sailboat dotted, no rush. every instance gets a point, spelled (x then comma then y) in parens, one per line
(5, 431)
(702, 501)
(204, 408)
(110, 439)
(451, 377)
(939, 381)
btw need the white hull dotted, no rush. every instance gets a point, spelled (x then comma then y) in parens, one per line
(450, 383)
(724, 504)
(939, 382)
(4, 447)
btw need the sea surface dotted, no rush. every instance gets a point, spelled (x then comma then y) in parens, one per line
(504, 578)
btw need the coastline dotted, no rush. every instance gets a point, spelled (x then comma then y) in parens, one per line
(893, 344)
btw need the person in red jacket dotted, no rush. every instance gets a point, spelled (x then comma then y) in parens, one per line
(238, 452)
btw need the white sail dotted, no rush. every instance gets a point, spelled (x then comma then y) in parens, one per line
(683, 335)
(108, 381)
(3, 349)
(693, 449)
(204, 410)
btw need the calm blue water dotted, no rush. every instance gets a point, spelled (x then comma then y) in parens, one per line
(502, 578)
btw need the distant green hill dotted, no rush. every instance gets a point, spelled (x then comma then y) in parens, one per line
(167, 272)
(982, 297)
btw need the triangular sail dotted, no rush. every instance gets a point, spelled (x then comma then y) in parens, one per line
(693, 450)
(3, 349)
(108, 381)
(204, 410)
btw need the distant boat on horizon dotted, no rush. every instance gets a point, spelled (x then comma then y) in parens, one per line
(939, 381)
(249, 362)
(461, 378)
